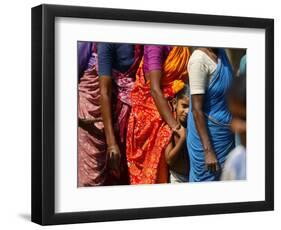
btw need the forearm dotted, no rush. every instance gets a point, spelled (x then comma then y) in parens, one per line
(107, 118)
(163, 108)
(201, 126)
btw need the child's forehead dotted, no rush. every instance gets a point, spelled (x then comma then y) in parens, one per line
(184, 98)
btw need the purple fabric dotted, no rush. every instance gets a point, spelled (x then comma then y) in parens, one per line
(154, 57)
(84, 54)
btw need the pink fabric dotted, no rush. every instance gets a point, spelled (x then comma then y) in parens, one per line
(91, 145)
(92, 159)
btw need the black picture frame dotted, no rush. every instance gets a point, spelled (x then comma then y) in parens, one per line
(43, 113)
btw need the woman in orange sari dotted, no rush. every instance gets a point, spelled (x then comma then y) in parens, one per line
(162, 73)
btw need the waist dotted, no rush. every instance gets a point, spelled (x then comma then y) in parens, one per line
(226, 121)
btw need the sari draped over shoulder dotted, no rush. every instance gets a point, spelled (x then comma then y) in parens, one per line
(147, 133)
(93, 168)
(218, 119)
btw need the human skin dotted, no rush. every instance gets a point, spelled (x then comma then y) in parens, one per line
(211, 162)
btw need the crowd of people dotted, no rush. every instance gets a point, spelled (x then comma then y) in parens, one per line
(150, 114)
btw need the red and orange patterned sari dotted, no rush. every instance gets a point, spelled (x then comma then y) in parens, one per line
(148, 134)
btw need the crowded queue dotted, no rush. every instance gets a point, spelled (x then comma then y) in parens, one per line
(150, 114)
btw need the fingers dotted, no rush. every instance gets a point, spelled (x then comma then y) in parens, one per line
(114, 159)
(209, 168)
(212, 167)
(181, 132)
(109, 154)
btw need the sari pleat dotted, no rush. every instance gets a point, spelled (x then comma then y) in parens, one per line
(92, 162)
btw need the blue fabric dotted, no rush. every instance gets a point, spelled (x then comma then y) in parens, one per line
(218, 120)
(114, 56)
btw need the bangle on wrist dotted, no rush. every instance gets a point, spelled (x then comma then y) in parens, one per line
(207, 149)
(110, 147)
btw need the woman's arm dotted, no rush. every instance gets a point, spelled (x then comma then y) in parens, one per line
(105, 99)
(113, 150)
(105, 53)
(159, 99)
(198, 79)
(201, 126)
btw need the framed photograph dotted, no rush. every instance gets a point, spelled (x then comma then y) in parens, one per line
(145, 114)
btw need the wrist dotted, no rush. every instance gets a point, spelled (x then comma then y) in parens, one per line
(110, 147)
(207, 149)
(111, 142)
(176, 127)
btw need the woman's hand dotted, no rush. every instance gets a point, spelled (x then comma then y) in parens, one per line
(211, 162)
(114, 156)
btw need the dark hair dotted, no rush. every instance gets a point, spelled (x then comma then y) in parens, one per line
(184, 92)
(237, 91)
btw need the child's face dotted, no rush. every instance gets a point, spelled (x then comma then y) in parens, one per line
(182, 108)
(238, 111)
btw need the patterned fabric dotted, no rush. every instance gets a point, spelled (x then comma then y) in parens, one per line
(218, 120)
(92, 162)
(122, 87)
(92, 157)
(148, 135)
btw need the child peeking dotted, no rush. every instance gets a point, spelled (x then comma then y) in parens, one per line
(176, 151)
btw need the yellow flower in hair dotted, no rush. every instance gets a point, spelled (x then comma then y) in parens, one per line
(177, 86)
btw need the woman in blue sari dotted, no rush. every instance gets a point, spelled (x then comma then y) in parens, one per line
(209, 137)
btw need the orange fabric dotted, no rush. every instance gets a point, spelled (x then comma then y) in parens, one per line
(147, 134)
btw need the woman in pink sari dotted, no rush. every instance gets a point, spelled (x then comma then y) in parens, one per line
(92, 162)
